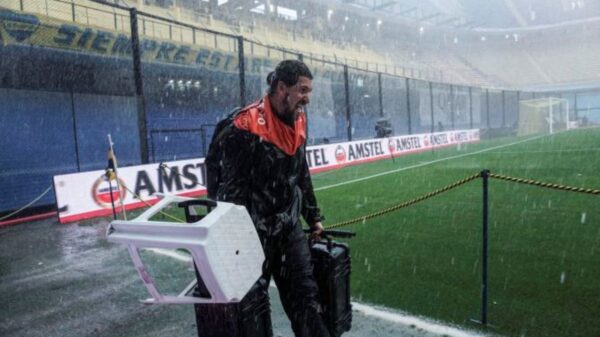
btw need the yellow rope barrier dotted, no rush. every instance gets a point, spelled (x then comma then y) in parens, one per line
(29, 204)
(439, 191)
(543, 184)
(149, 205)
(459, 183)
(405, 204)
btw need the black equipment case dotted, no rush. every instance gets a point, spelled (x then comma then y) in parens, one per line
(251, 317)
(331, 263)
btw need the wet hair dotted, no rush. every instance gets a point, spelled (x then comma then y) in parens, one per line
(288, 71)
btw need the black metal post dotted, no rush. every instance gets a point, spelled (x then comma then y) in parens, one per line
(74, 117)
(452, 106)
(72, 10)
(487, 110)
(139, 85)
(471, 107)
(484, 265)
(348, 112)
(408, 105)
(380, 94)
(518, 105)
(431, 107)
(112, 199)
(503, 108)
(242, 70)
(575, 106)
(152, 147)
(21, 5)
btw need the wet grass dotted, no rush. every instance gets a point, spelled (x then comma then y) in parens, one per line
(426, 259)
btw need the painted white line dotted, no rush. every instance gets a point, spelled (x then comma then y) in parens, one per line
(426, 163)
(547, 151)
(419, 323)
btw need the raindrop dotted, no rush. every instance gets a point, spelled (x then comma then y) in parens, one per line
(562, 277)
(366, 262)
(549, 203)
(583, 216)
(452, 261)
(368, 268)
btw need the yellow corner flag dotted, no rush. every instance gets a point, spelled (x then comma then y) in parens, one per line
(111, 174)
(111, 169)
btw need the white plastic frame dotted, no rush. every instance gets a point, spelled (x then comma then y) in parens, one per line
(224, 246)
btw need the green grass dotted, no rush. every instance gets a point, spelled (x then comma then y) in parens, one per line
(426, 259)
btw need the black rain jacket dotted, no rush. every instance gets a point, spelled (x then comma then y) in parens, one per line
(274, 186)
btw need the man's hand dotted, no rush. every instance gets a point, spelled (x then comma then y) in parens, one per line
(317, 229)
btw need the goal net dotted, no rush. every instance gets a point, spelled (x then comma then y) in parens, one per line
(543, 116)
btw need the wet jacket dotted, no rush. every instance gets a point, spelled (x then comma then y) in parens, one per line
(262, 165)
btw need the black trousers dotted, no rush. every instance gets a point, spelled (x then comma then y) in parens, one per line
(288, 262)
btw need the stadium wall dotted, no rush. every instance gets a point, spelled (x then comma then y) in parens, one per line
(90, 194)
(67, 85)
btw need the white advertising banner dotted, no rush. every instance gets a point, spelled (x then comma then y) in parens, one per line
(88, 194)
(332, 156)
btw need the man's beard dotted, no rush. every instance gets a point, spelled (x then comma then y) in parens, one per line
(290, 113)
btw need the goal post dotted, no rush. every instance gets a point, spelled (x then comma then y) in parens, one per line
(543, 116)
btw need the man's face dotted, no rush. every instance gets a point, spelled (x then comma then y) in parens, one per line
(295, 97)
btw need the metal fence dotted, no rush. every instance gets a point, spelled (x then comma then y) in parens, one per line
(92, 68)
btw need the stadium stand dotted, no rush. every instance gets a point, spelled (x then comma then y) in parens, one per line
(450, 73)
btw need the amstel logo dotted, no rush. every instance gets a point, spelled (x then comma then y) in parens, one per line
(340, 154)
(101, 192)
(392, 146)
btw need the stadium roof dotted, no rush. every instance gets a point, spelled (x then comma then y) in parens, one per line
(466, 14)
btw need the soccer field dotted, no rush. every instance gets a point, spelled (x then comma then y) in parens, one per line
(426, 259)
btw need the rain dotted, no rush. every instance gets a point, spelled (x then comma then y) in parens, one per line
(458, 139)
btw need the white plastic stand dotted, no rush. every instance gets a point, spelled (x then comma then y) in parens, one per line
(224, 246)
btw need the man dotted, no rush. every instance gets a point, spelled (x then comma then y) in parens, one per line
(262, 165)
